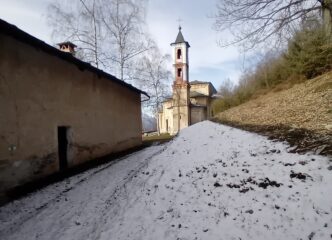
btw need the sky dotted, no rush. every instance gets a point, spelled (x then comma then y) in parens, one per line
(207, 61)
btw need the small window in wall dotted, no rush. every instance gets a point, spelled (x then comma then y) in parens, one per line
(179, 72)
(179, 54)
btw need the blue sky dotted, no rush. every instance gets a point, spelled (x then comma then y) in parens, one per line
(208, 62)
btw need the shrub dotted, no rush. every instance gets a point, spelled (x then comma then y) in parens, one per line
(308, 54)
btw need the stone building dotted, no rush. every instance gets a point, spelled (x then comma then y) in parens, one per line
(57, 111)
(191, 101)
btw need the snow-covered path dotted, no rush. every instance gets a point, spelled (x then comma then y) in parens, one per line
(211, 182)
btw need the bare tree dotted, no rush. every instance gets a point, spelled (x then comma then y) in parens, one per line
(226, 88)
(110, 33)
(252, 22)
(154, 77)
(91, 12)
(78, 21)
(123, 20)
(178, 102)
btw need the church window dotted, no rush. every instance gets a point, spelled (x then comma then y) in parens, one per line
(179, 54)
(179, 72)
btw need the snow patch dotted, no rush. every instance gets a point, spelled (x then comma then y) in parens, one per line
(210, 182)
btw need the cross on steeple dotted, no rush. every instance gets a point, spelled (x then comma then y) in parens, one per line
(179, 21)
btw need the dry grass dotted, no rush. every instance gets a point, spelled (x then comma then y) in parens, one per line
(156, 138)
(304, 105)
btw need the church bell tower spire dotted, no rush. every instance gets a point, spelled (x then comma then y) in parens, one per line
(181, 87)
(181, 60)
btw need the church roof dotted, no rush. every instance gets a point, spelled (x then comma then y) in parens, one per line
(198, 82)
(197, 94)
(214, 91)
(180, 38)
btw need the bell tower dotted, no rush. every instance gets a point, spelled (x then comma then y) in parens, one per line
(181, 87)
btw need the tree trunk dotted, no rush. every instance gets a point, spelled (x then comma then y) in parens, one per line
(266, 79)
(327, 18)
(158, 122)
(121, 69)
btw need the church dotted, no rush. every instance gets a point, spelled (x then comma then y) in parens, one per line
(190, 102)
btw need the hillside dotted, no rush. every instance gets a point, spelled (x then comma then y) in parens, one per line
(148, 123)
(305, 108)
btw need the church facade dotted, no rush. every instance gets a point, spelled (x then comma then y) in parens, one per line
(190, 101)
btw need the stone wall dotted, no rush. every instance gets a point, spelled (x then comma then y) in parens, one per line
(198, 114)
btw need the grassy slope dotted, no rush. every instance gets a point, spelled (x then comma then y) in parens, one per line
(307, 105)
(149, 140)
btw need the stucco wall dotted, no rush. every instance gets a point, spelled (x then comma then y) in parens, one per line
(166, 115)
(38, 93)
(203, 101)
(181, 111)
(198, 114)
(200, 88)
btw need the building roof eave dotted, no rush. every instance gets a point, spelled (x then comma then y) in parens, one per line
(180, 39)
(187, 44)
(20, 35)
